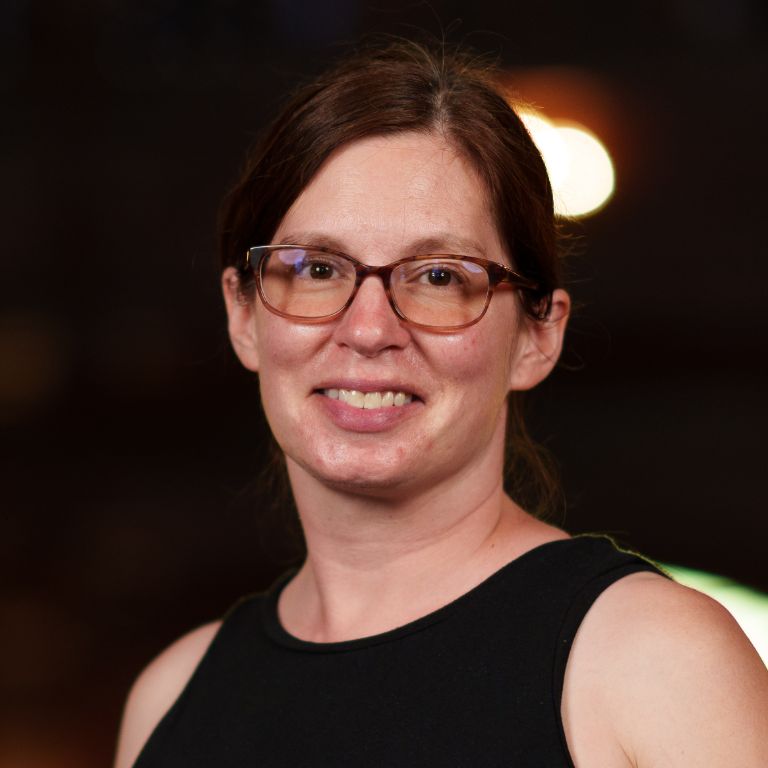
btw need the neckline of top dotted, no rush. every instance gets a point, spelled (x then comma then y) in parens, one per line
(280, 635)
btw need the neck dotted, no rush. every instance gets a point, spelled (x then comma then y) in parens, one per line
(375, 563)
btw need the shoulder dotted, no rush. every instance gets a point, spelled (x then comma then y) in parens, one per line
(676, 679)
(156, 689)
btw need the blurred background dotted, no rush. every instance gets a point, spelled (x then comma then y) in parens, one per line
(131, 509)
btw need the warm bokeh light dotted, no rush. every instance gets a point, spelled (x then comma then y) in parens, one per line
(553, 149)
(579, 166)
(589, 180)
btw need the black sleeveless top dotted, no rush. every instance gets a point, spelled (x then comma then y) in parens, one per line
(476, 683)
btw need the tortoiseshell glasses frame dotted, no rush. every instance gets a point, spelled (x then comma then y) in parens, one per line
(257, 259)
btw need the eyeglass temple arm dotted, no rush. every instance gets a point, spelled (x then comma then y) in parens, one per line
(510, 276)
(506, 275)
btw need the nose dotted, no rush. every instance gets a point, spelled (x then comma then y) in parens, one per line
(369, 325)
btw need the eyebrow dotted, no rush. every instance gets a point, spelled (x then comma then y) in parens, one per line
(441, 242)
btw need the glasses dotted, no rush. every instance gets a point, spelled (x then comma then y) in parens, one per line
(436, 291)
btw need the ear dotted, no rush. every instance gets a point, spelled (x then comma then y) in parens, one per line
(540, 344)
(241, 314)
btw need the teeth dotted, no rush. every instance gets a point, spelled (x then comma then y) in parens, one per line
(372, 400)
(369, 400)
(352, 397)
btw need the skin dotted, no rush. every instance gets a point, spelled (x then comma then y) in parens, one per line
(410, 517)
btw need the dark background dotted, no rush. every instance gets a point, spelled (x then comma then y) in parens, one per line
(131, 439)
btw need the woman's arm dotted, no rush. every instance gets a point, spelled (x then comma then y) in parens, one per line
(673, 677)
(156, 688)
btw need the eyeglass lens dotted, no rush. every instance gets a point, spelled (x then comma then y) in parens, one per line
(432, 291)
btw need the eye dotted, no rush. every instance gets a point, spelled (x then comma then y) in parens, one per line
(315, 269)
(439, 276)
(320, 271)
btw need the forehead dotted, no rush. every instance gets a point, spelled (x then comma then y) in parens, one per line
(389, 194)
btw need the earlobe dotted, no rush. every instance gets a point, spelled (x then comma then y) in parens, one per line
(241, 320)
(541, 345)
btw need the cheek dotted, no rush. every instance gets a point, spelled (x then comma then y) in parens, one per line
(286, 352)
(483, 354)
(285, 346)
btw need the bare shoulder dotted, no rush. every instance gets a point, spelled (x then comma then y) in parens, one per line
(156, 688)
(676, 680)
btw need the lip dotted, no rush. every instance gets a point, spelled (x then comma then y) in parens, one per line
(352, 419)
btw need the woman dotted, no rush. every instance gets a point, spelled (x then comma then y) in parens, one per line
(390, 271)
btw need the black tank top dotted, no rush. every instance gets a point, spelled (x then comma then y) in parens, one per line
(475, 684)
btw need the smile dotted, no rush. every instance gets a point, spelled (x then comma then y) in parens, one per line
(369, 400)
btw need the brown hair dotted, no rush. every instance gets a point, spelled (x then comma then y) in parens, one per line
(397, 87)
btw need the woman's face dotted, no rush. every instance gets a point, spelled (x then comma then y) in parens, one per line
(379, 200)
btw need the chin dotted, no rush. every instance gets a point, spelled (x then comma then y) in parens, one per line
(380, 475)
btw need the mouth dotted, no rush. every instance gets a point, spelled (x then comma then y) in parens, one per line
(372, 400)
